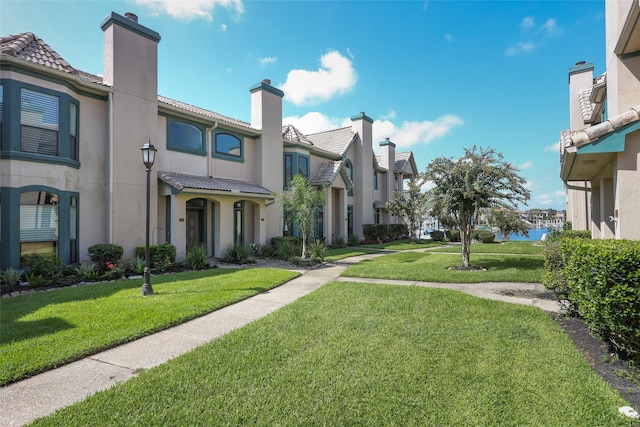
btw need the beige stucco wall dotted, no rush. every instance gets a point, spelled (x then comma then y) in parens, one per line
(627, 191)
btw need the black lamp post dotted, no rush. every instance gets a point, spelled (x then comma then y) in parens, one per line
(148, 157)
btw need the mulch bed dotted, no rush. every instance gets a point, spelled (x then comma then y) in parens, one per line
(599, 355)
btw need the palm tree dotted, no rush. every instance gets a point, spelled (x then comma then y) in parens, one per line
(300, 200)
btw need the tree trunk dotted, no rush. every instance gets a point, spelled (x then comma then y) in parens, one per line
(466, 225)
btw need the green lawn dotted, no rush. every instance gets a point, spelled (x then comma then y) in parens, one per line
(398, 245)
(361, 354)
(46, 329)
(433, 267)
(508, 247)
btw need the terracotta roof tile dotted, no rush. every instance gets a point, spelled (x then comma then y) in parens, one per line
(586, 107)
(31, 48)
(182, 181)
(335, 141)
(593, 133)
(206, 113)
(290, 133)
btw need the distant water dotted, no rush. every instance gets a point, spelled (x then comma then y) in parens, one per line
(535, 234)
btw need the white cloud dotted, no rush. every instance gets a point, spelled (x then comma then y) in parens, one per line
(315, 122)
(550, 27)
(526, 165)
(528, 23)
(404, 135)
(412, 133)
(223, 27)
(391, 115)
(191, 9)
(521, 47)
(335, 76)
(528, 185)
(268, 60)
(554, 148)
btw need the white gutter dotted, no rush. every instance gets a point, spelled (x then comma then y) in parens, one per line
(209, 138)
(110, 137)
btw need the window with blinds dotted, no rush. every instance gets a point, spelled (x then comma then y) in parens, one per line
(39, 122)
(38, 222)
(73, 131)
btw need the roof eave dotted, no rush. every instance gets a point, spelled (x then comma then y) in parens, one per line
(75, 80)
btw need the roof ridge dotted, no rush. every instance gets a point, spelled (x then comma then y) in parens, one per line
(22, 46)
(195, 109)
(330, 130)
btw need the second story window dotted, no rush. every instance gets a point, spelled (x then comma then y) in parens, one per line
(39, 122)
(295, 164)
(228, 146)
(185, 137)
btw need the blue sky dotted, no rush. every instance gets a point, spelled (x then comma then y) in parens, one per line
(436, 76)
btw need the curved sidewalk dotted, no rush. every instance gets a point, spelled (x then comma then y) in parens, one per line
(41, 395)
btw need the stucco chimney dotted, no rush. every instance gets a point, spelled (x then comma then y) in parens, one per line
(580, 79)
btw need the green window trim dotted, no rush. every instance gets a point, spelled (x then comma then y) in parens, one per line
(68, 216)
(226, 140)
(295, 164)
(11, 139)
(179, 128)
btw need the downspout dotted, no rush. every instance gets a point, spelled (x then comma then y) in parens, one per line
(110, 137)
(209, 143)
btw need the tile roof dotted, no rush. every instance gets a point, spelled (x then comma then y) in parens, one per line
(290, 133)
(591, 134)
(586, 106)
(335, 141)
(31, 48)
(328, 171)
(205, 113)
(182, 181)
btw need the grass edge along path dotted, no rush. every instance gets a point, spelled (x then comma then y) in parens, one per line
(45, 330)
(433, 267)
(364, 354)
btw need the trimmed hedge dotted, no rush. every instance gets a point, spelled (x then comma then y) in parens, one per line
(437, 235)
(103, 253)
(384, 232)
(453, 235)
(601, 278)
(486, 236)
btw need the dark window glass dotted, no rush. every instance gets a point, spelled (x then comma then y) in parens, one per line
(228, 144)
(288, 168)
(184, 135)
(303, 166)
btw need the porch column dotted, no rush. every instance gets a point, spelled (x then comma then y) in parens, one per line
(607, 208)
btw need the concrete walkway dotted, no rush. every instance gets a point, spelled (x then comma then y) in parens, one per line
(41, 395)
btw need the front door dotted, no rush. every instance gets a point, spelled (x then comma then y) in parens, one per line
(195, 223)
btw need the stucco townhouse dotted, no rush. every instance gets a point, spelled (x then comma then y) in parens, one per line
(71, 171)
(600, 152)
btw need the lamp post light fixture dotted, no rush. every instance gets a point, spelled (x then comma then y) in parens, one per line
(148, 157)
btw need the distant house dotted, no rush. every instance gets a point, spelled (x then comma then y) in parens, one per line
(71, 172)
(600, 152)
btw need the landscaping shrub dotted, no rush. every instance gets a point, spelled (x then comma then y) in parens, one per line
(236, 253)
(9, 278)
(137, 265)
(87, 271)
(37, 280)
(339, 243)
(554, 277)
(163, 254)
(398, 230)
(49, 267)
(375, 232)
(286, 247)
(317, 250)
(197, 258)
(475, 234)
(486, 236)
(103, 253)
(453, 235)
(556, 235)
(437, 235)
(604, 281)
(354, 240)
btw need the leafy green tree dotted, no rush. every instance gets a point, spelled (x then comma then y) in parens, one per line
(479, 179)
(300, 201)
(411, 207)
(508, 221)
